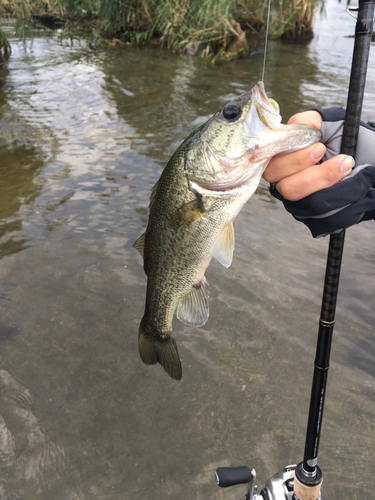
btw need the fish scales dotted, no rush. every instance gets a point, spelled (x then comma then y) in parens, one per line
(192, 211)
(186, 254)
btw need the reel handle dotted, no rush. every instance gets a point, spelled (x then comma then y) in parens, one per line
(230, 476)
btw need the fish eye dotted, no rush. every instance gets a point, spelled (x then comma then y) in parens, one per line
(231, 112)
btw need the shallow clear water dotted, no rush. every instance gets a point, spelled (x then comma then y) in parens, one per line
(84, 136)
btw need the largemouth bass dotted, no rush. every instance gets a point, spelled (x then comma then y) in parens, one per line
(192, 211)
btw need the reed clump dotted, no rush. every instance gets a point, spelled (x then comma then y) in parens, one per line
(4, 43)
(211, 28)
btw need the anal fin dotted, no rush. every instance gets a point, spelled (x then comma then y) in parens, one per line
(193, 309)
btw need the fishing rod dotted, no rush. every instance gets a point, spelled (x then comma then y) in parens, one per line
(303, 481)
(308, 476)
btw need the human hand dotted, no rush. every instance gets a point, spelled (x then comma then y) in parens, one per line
(327, 197)
(297, 174)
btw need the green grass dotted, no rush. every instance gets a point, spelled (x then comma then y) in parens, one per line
(201, 26)
(4, 43)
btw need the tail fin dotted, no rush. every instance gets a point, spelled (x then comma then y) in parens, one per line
(157, 350)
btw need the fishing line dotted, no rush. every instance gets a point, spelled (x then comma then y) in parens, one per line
(265, 43)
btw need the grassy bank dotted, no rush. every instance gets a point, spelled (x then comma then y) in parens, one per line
(213, 28)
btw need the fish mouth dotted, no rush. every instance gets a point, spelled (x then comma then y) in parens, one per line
(237, 171)
(261, 100)
(262, 114)
(264, 122)
(271, 137)
(267, 137)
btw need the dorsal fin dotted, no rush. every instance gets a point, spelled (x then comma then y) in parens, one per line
(224, 245)
(153, 193)
(139, 244)
(193, 309)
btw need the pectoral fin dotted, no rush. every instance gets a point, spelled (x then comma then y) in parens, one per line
(189, 213)
(193, 309)
(224, 245)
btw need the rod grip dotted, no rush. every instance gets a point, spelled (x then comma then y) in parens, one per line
(304, 492)
(307, 487)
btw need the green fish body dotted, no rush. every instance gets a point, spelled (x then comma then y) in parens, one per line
(193, 207)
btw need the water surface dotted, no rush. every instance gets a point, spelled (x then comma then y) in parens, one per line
(84, 136)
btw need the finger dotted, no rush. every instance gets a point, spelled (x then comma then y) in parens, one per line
(308, 181)
(292, 163)
(312, 118)
(289, 164)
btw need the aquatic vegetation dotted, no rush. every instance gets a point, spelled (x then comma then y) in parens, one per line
(293, 19)
(4, 43)
(214, 28)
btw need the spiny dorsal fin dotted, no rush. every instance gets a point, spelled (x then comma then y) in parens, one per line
(224, 245)
(193, 309)
(139, 244)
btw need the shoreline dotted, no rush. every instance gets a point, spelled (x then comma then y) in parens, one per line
(217, 31)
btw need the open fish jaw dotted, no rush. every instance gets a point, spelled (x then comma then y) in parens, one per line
(193, 208)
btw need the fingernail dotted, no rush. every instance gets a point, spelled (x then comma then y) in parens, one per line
(347, 165)
(318, 152)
